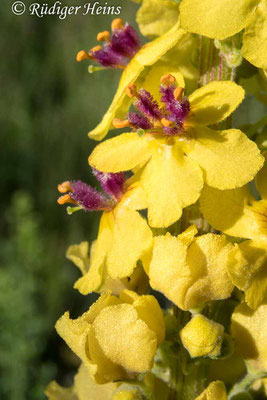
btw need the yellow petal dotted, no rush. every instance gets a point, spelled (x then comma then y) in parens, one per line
(153, 51)
(228, 158)
(184, 56)
(120, 101)
(121, 153)
(261, 179)
(135, 197)
(87, 389)
(229, 211)
(202, 337)
(254, 39)
(57, 392)
(92, 280)
(208, 259)
(171, 182)
(135, 348)
(248, 271)
(188, 235)
(77, 333)
(155, 17)
(107, 370)
(146, 56)
(249, 330)
(137, 281)
(215, 391)
(106, 299)
(132, 238)
(217, 20)
(78, 254)
(149, 311)
(215, 102)
(168, 271)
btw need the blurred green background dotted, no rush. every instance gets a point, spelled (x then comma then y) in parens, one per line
(48, 104)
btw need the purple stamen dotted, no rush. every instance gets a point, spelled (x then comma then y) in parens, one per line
(177, 110)
(147, 105)
(139, 121)
(108, 57)
(173, 130)
(87, 197)
(112, 184)
(125, 41)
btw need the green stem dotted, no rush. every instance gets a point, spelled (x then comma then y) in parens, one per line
(213, 65)
(245, 383)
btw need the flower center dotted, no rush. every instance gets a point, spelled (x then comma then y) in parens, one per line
(167, 118)
(119, 46)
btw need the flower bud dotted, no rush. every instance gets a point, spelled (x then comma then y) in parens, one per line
(202, 337)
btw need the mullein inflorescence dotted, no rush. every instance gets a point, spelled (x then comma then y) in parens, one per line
(179, 161)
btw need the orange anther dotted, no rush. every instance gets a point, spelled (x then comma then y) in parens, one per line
(103, 36)
(64, 187)
(166, 122)
(131, 90)
(65, 199)
(178, 93)
(167, 79)
(81, 55)
(117, 23)
(117, 123)
(94, 49)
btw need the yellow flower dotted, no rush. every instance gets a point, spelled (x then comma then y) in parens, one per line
(148, 55)
(123, 237)
(215, 391)
(202, 337)
(225, 18)
(249, 331)
(190, 272)
(156, 17)
(116, 337)
(177, 151)
(137, 281)
(237, 213)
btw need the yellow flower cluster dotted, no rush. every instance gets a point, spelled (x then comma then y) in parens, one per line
(189, 221)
